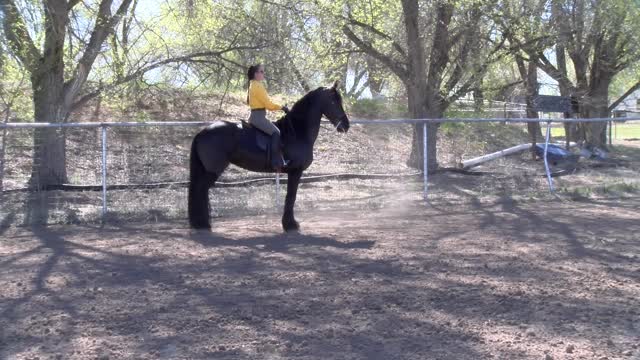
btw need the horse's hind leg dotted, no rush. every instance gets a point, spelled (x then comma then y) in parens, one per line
(204, 171)
(199, 207)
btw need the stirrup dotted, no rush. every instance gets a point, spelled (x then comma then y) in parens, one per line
(280, 169)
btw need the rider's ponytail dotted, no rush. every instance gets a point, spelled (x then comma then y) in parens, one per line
(251, 74)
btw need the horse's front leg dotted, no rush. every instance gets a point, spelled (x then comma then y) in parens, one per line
(289, 222)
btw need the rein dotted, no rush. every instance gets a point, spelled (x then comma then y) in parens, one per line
(293, 130)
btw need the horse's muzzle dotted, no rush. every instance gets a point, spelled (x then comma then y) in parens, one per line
(343, 127)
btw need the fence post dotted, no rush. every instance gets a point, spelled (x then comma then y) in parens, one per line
(104, 173)
(3, 144)
(425, 159)
(610, 133)
(277, 189)
(546, 162)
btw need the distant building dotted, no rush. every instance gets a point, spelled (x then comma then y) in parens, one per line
(629, 107)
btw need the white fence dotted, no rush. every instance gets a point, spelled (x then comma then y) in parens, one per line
(105, 127)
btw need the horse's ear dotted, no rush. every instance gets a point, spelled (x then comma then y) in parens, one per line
(335, 84)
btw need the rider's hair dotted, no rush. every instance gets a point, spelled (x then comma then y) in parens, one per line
(251, 74)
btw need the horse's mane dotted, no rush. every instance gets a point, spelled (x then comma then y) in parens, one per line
(298, 110)
(294, 119)
(300, 106)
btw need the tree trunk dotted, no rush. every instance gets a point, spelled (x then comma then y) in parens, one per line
(598, 107)
(419, 110)
(478, 99)
(3, 137)
(529, 75)
(534, 129)
(3, 144)
(570, 129)
(49, 159)
(423, 88)
(416, 159)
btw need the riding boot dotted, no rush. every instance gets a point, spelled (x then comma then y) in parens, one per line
(277, 161)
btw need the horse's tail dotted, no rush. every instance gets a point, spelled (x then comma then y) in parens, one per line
(199, 183)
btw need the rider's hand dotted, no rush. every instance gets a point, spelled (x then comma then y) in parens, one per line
(285, 109)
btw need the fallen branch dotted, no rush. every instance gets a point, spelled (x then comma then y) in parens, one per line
(466, 164)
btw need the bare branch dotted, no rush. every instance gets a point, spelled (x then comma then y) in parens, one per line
(356, 81)
(462, 58)
(373, 30)
(397, 67)
(551, 70)
(19, 40)
(439, 57)
(105, 24)
(477, 75)
(467, 88)
(141, 71)
(521, 67)
(73, 3)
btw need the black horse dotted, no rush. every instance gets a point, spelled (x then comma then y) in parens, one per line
(224, 143)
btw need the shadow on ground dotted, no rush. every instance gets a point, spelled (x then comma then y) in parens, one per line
(502, 280)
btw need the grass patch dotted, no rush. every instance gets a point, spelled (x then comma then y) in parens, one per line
(621, 131)
(615, 189)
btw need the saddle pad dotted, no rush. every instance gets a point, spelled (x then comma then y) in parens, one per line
(262, 139)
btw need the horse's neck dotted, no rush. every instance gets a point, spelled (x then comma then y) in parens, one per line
(311, 127)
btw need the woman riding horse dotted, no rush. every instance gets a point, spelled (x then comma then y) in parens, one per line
(223, 143)
(259, 102)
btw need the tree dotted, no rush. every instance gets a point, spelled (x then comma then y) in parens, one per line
(440, 54)
(521, 23)
(59, 80)
(54, 94)
(601, 40)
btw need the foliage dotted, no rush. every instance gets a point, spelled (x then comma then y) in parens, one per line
(425, 55)
(14, 91)
(377, 108)
(301, 43)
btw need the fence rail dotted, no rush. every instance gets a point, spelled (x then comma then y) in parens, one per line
(353, 121)
(105, 126)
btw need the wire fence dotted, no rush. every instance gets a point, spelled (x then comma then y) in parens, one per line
(139, 171)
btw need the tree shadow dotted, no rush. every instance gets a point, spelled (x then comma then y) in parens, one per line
(130, 295)
(37, 207)
(7, 221)
(163, 291)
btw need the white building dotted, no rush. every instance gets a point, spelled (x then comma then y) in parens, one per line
(630, 106)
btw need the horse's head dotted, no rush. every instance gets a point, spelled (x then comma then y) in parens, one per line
(332, 108)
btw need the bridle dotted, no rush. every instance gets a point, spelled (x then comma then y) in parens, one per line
(342, 119)
(336, 126)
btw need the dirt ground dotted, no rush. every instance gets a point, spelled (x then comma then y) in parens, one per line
(483, 280)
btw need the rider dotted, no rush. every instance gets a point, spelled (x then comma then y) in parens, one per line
(259, 102)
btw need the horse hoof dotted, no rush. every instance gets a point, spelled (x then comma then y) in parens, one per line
(200, 230)
(291, 227)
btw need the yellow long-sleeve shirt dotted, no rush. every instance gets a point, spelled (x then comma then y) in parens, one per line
(259, 99)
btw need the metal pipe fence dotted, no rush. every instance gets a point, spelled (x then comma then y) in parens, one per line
(131, 141)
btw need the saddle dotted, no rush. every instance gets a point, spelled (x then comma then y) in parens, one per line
(263, 140)
(262, 144)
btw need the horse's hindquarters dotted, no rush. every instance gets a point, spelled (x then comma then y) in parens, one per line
(215, 146)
